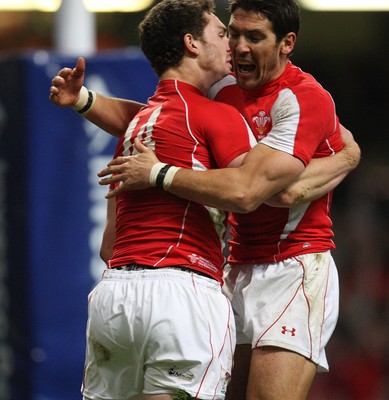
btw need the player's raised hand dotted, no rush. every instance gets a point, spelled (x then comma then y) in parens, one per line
(66, 85)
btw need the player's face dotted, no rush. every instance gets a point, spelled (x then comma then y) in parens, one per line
(256, 53)
(216, 54)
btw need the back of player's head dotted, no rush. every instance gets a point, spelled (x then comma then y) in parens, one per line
(283, 14)
(162, 31)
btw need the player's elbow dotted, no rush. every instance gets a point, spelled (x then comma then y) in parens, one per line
(356, 157)
(245, 201)
(291, 197)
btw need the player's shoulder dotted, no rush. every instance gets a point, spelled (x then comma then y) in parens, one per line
(219, 109)
(305, 84)
(228, 81)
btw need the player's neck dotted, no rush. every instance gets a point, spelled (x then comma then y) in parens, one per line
(188, 74)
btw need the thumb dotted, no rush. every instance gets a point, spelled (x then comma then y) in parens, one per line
(79, 69)
(139, 146)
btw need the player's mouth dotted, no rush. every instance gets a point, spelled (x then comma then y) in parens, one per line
(245, 67)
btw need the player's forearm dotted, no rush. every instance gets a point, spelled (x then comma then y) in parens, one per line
(299, 193)
(319, 178)
(263, 173)
(215, 188)
(112, 114)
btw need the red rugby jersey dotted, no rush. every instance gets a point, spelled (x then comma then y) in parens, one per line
(296, 115)
(154, 227)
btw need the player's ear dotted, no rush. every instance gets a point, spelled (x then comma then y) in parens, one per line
(191, 44)
(287, 43)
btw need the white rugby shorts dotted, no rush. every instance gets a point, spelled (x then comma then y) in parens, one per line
(293, 304)
(153, 332)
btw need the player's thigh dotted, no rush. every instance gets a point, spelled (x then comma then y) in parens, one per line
(240, 373)
(279, 374)
(178, 396)
(158, 397)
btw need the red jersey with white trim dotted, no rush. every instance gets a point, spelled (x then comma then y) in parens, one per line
(154, 227)
(296, 115)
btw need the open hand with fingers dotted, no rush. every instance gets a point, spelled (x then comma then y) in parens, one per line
(66, 85)
(132, 171)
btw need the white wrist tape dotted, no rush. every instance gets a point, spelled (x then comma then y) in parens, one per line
(85, 102)
(169, 177)
(162, 175)
(154, 173)
(82, 99)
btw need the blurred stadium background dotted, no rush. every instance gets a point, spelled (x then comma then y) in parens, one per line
(52, 210)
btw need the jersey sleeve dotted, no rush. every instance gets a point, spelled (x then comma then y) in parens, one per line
(302, 122)
(228, 134)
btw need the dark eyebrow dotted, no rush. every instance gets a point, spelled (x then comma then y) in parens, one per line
(251, 31)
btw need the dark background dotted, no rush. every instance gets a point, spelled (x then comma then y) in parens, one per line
(348, 53)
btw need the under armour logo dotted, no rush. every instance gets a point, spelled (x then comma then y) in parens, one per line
(291, 331)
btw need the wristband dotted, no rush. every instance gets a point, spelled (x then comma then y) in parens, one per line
(85, 102)
(169, 176)
(161, 176)
(90, 102)
(154, 173)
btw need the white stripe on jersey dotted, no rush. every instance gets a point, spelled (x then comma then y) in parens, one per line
(218, 217)
(218, 86)
(196, 164)
(147, 129)
(283, 132)
(127, 136)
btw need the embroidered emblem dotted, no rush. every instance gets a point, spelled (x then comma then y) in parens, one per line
(261, 121)
(202, 262)
(286, 330)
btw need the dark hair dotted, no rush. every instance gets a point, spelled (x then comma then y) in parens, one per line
(162, 30)
(283, 14)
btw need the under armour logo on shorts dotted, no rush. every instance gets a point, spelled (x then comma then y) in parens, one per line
(291, 331)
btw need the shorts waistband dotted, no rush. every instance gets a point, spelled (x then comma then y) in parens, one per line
(141, 267)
